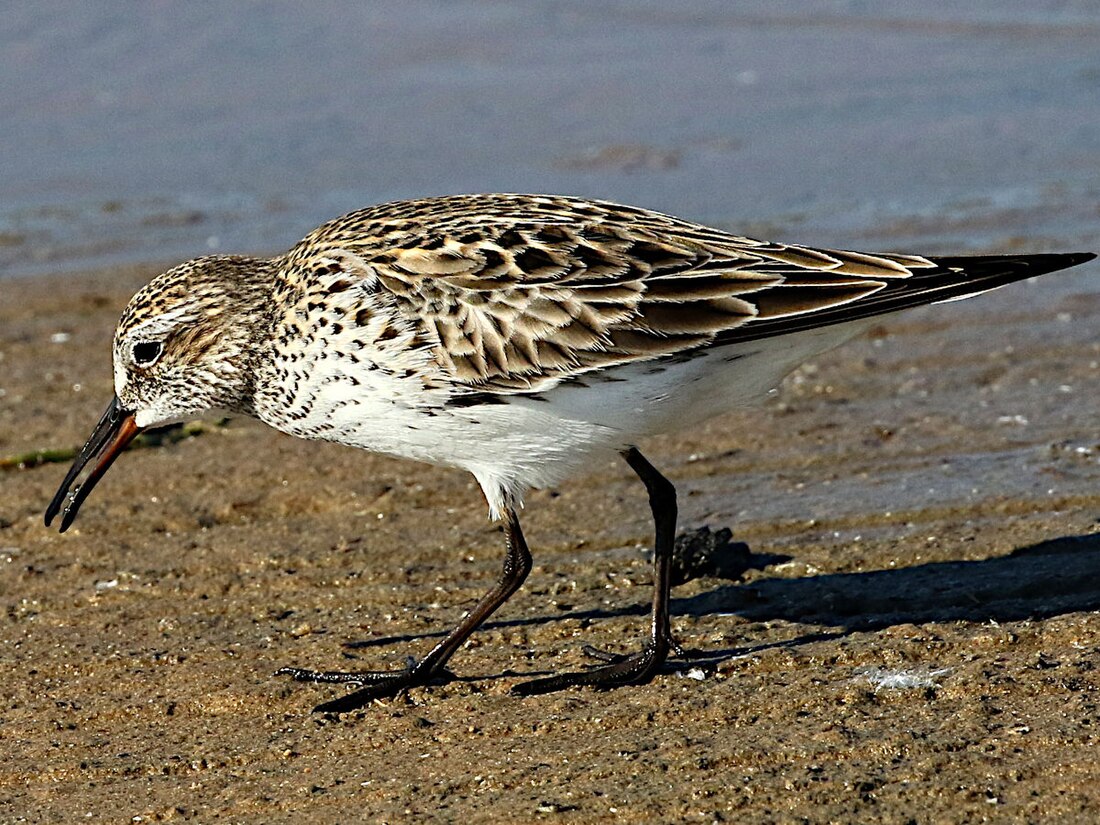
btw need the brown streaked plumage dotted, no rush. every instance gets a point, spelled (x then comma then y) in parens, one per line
(517, 292)
(514, 336)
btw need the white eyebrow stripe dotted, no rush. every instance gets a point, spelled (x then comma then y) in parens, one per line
(162, 322)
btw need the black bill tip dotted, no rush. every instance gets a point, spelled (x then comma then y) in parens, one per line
(115, 430)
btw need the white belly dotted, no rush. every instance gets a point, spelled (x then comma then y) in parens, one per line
(639, 400)
(540, 440)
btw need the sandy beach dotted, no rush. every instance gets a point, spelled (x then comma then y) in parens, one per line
(920, 635)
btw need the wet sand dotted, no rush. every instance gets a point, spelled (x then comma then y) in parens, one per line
(917, 640)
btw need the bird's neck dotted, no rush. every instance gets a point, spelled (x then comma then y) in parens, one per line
(249, 339)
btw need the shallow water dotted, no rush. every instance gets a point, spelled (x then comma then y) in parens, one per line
(160, 131)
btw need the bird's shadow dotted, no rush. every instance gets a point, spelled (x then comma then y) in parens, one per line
(1050, 578)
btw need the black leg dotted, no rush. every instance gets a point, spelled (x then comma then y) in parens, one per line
(430, 669)
(639, 667)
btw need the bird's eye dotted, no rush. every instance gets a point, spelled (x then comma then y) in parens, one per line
(147, 352)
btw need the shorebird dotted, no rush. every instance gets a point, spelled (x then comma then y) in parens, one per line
(517, 337)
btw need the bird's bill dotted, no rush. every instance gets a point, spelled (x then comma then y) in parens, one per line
(114, 431)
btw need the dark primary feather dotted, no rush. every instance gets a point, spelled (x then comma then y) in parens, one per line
(952, 278)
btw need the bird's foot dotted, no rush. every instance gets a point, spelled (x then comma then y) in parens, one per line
(635, 669)
(377, 684)
(593, 652)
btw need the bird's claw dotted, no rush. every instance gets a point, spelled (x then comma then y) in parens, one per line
(635, 669)
(377, 684)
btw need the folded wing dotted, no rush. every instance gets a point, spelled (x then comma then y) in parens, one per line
(521, 292)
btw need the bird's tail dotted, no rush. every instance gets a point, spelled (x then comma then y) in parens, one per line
(947, 279)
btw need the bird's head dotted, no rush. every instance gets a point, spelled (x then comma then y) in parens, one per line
(185, 346)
